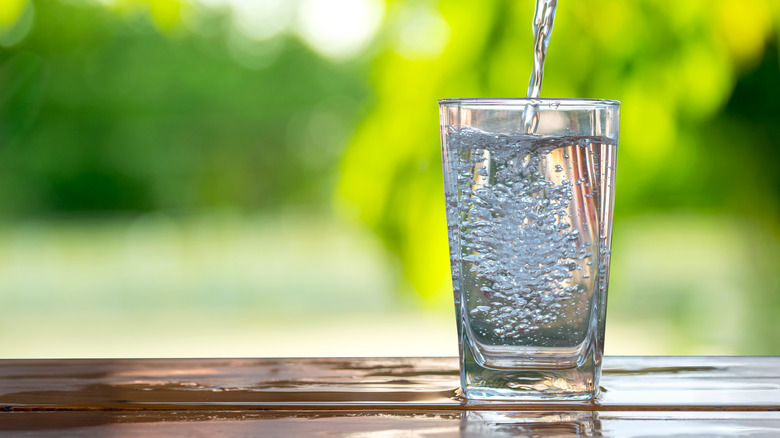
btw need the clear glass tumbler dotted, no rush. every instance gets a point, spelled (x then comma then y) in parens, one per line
(529, 187)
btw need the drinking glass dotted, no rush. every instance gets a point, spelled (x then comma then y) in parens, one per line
(529, 192)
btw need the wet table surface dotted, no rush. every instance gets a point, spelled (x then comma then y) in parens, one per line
(377, 397)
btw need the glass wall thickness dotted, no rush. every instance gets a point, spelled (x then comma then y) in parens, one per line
(529, 192)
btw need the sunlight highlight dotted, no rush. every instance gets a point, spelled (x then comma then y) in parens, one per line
(339, 29)
(423, 33)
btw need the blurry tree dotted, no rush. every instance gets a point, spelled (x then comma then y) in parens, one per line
(163, 105)
(698, 81)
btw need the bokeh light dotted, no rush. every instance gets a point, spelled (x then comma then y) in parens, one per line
(339, 28)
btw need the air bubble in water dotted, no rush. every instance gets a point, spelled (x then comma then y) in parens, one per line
(525, 262)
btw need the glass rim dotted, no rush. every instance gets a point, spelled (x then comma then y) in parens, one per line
(566, 102)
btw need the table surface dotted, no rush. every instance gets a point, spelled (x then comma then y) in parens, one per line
(382, 397)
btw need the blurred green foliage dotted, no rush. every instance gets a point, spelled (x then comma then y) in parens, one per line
(699, 83)
(679, 70)
(102, 112)
(130, 106)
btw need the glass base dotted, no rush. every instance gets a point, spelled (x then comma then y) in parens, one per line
(529, 384)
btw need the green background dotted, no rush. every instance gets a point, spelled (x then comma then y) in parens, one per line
(187, 178)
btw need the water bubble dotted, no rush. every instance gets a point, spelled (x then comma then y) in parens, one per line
(517, 231)
(480, 309)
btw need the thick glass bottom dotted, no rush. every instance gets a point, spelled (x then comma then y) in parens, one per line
(541, 384)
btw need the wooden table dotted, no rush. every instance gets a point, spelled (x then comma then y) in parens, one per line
(377, 397)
